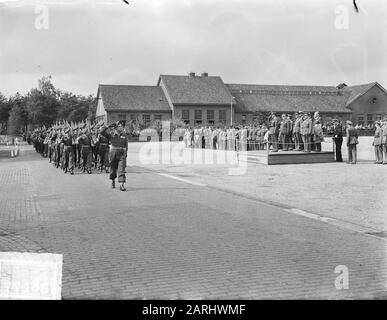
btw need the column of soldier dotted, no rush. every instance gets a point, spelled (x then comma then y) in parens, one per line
(75, 145)
(302, 133)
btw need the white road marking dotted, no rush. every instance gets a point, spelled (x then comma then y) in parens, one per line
(309, 215)
(181, 179)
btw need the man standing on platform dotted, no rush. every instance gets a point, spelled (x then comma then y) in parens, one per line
(338, 139)
(284, 133)
(274, 131)
(297, 131)
(306, 132)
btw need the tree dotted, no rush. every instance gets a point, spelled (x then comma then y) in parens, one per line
(5, 108)
(42, 103)
(18, 116)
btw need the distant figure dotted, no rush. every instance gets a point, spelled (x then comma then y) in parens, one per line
(318, 135)
(377, 143)
(338, 139)
(352, 141)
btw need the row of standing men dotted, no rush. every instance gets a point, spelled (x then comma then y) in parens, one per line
(300, 134)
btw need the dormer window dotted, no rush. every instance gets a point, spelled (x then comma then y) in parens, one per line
(373, 101)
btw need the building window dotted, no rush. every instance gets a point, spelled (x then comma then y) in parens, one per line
(222, 116)
(122, 117)
(369, 120)
(146, 118)
(132, 117)
(185, 116)
(378, 117)
(360, 120)
(210, 116)
(157, 117)
(198, 116)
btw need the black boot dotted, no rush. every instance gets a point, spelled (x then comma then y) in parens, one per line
(122, 187)
(113, 184)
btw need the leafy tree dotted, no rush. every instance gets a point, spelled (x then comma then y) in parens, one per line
(5, 108)
(42, 103)
(18, 116)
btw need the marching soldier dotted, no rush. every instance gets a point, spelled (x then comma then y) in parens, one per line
(117, 153)
(297, 132)
(103, 151)
(84, 141)
(68, 152)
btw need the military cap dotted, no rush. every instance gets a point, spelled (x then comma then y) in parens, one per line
(349, 122)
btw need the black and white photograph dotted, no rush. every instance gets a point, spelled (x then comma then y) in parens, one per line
(201, 152)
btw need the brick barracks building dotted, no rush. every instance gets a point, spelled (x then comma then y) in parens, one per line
(207, 100)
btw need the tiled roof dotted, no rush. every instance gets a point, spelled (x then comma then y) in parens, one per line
(357, 91)
(140, 98)
(186, 90)
(251, 98)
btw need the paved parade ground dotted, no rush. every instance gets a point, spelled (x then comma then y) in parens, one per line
(182, 232)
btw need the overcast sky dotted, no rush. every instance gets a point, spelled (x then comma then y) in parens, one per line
(243, 41)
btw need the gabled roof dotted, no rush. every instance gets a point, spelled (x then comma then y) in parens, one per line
(196, 90)
(358, 90)
(252, 98)
(133, 98)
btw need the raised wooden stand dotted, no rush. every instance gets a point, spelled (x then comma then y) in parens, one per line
(288, 157)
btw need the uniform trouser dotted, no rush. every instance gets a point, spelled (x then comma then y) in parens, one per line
(290, 141)
(243, 145)
(231, 144)
(384, 153)
(317, 147)
(298, 141)
(307, 141)
(352, 153)
(274, 141)
(68, 158)
(284, 139)
(379, 153)
(45, 149)
(117, 160)
(87, 157)
(103, 152)
(338, 142)
(57, 154)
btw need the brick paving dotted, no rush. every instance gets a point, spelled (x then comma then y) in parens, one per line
(166, 239)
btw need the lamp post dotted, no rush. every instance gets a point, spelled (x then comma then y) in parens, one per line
(232, 99)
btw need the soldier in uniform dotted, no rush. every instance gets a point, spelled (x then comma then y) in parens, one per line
(103, 152)
(377, 143)
(274, 131)
(290, 131)
(352, 141)
(384, 140)
(117, 153)
(284, 133)
(297, 131)
(84, 141)
(338, 139)
(306, 132)
(68, 152)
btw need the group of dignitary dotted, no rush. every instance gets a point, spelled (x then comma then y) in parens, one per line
(299, 133)
(85, 146)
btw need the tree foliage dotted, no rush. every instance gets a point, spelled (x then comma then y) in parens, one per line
(44, 105)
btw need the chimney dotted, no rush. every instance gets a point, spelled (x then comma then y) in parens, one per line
(191, 74)
(205, 74)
